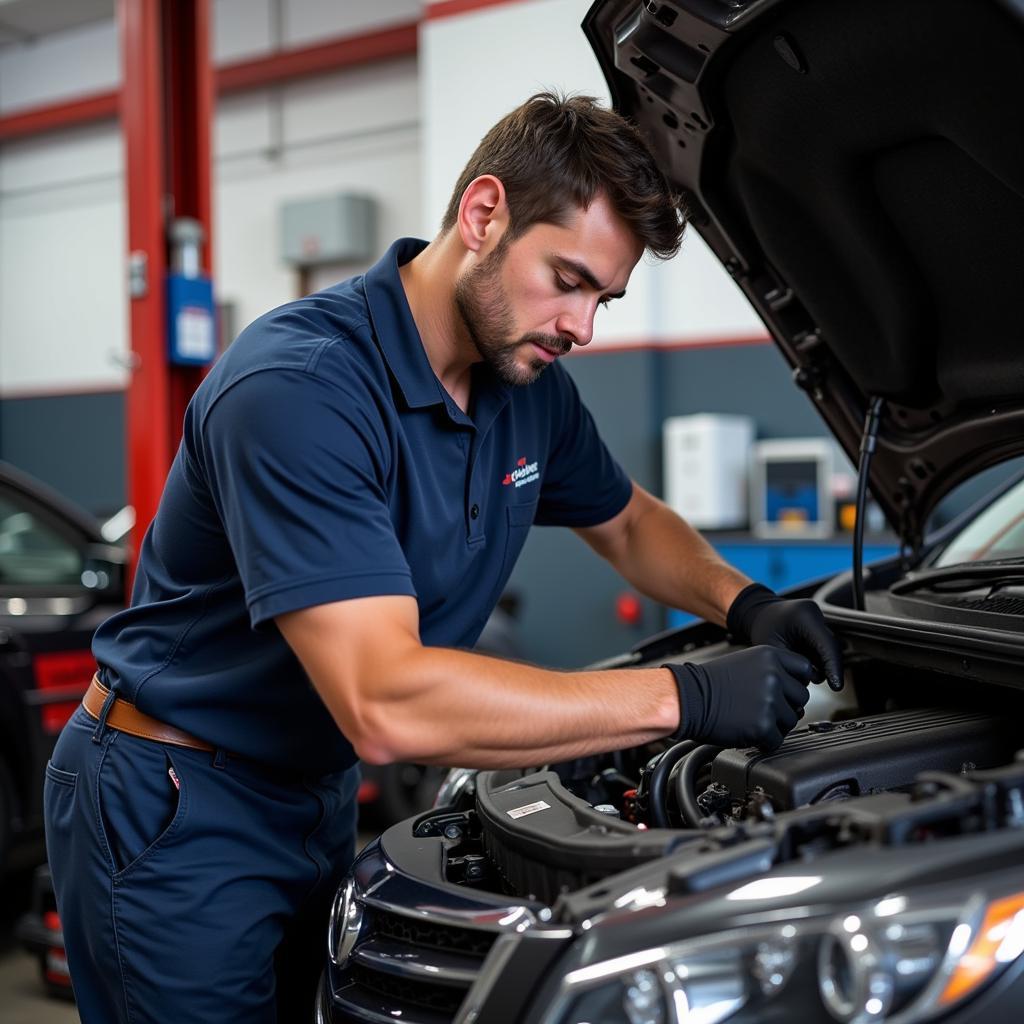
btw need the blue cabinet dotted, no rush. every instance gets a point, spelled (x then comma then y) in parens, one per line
(785, 563)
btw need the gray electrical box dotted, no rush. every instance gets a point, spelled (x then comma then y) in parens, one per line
(329, 229)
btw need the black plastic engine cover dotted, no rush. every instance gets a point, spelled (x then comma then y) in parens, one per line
(823, 760)
(543, 840)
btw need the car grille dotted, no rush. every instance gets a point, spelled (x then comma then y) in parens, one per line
(409, 969)
(431, 935)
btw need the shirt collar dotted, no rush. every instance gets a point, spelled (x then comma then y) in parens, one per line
(395, 328)
(400, 341)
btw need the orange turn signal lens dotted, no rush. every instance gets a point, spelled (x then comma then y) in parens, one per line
(999, 940)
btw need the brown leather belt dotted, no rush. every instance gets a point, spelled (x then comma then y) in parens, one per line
(128, 718)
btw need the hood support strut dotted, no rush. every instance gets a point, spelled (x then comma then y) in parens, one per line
(868, 443)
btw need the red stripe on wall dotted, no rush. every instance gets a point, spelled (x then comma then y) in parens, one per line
(17, 392)
(52, 117)
(336, 55)
(449, 8)
(600, 349)
(339, 54)
(671, 345)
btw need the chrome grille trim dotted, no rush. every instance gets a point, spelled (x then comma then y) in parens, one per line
(433, 965)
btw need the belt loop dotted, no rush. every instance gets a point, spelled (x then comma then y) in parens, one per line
(220, 759)
(101, 722)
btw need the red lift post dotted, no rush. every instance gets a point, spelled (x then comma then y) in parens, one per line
(166, 113)
(165, 104)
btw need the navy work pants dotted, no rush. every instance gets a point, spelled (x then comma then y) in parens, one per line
(191, 887)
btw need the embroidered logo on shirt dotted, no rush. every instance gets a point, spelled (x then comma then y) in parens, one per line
(524, 473)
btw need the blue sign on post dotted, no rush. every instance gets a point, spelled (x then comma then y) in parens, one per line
(192, 321)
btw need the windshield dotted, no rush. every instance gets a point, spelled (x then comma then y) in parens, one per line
(997, 533)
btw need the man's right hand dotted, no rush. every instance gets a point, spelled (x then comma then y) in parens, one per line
(749, 698)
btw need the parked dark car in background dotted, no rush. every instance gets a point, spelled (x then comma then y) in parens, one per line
(59, 578)
(858, 168)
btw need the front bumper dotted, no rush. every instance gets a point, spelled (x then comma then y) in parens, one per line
(425, 951)
(420, 932)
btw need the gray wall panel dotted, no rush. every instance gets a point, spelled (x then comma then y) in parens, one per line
(74, 443)
(751, 380)
(568, 593)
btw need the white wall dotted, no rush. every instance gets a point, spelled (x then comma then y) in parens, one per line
(63, 292)
(399, 130)
(243, 29)
(476, 67)
(357, 131)
(63, 312)
(307, 22)
(63, 66)
(63, 302)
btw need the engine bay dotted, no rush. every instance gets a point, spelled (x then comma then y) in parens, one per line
(837, 760)
(922, 743)
(896, 775)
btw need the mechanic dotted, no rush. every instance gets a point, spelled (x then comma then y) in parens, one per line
(356, 478)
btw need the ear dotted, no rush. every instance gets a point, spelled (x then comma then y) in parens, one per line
(483, 214)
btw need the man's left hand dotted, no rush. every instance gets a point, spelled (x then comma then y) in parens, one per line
(759, 616)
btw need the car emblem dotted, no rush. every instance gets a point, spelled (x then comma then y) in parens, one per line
(346, 923)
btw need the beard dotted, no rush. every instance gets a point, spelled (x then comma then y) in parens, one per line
(487, 316)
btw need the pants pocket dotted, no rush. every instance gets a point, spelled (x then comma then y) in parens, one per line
(141, 799)
(58, 800)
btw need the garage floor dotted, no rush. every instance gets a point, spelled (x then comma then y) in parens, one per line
(22, 997)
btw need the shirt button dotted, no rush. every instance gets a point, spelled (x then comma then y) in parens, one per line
(474, 512)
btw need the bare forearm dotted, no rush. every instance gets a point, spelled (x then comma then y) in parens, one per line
(397, 700)
(669, 561)
(453, 707)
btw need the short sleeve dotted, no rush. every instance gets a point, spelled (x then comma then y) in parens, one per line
(583, 484)
(297, 471)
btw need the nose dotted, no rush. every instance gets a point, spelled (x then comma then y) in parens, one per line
(577, 324)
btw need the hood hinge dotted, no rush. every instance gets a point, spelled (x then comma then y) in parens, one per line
(810, 375)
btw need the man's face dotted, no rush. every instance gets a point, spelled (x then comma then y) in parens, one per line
(529, 301)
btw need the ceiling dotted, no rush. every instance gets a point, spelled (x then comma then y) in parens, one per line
(21, 21)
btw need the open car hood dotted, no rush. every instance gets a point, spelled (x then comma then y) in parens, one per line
(858, 167)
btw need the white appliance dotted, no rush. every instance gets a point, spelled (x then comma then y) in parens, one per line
(705, 468)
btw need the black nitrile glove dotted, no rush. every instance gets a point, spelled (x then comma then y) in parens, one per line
(760, 616)
(748, 698)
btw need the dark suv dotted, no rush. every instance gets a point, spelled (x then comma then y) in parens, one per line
(58, 579)
(858, 168)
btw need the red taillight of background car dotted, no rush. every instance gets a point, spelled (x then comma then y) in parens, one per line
(62, 674)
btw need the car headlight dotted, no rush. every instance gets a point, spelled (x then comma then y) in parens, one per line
(901, 960)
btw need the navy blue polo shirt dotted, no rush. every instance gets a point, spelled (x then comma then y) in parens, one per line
(323, 460)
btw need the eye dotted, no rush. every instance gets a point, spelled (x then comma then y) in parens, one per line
(563, 285)
(604, 300)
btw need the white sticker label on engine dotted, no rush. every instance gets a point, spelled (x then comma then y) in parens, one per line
(522, 812)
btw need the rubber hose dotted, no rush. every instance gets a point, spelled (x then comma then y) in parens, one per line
(658, 801)
(686, 783)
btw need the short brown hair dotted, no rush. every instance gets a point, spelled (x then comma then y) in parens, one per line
(556, 153)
